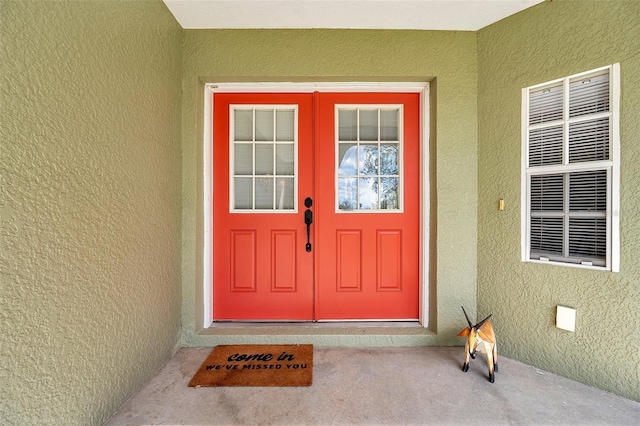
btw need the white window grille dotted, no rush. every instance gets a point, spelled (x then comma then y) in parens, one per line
(570, 170)
(263, 158)
(369, 166)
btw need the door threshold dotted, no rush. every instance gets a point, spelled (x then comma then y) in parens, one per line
(317, 328)
(315, 324)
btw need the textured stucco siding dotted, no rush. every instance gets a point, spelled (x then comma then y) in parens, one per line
(101, 189)
(549, 41)
(447, 59)
(90, 205)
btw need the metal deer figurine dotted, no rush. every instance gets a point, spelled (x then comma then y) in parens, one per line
(480, 337)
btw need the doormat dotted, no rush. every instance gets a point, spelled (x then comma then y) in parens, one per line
(256, 365)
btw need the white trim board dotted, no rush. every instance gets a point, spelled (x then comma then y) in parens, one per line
(210, 89)
(290, 87)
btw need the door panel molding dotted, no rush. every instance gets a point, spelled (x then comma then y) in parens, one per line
(283, 260)
(348, 260)
(389, 260)
(243, 260)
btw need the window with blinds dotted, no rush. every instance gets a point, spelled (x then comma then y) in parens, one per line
(570, 170)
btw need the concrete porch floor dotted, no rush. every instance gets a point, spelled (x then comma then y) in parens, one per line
(379, 386)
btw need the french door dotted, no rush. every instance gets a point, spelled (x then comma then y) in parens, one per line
(316, 206)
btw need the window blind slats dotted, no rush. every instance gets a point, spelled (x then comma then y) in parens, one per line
(547, 235)
(589, 140)
(588, 237)
(545, 146)
(547, 193)
(588, 191)
(589, 95)
(545, 105)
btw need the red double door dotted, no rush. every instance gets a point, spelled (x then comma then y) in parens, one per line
(316, 206)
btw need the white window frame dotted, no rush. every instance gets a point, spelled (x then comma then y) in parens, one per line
(612, 166)
(400, 109)
(252, 107)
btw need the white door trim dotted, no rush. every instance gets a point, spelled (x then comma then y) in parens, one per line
(211, 89)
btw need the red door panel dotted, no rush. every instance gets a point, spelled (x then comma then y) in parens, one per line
(261, 270)
(367, 260)
(364, 265)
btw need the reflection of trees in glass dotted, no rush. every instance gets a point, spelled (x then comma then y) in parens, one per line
(368, 160)
(387, 161)
(389, 193)
(348, 193)
(345, 205)
(375, 168)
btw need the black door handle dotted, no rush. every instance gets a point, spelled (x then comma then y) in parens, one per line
(308, 220)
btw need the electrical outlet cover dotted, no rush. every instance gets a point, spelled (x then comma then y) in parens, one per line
(566, 318)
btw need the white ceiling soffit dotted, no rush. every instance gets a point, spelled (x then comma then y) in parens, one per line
(461, 15)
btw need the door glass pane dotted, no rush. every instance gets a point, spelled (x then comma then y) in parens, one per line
(284, 159)
(347, 159)
(369, 125)
(285, 125)
(347, 193)
(389, 125)
(369, 170)
(243, 159)
(284, 194)
(264, 125)
(368, 159)
(368, 194)
(243, 193)
(389, 159)
(243, 125)
(263, 171)
(348, 125)
(264, 193)
(389, 193)
(264, 159)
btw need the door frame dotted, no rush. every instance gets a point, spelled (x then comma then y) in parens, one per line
(211, 89)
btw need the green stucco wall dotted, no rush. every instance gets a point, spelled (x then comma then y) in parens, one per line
(101, 190)
(90, 195)
(552, 40)
(447, 59)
